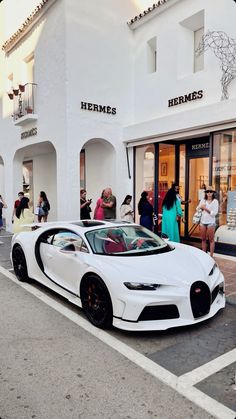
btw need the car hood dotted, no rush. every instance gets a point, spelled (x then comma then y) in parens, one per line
(180, 266)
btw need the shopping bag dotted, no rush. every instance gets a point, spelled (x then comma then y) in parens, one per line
(197, 216)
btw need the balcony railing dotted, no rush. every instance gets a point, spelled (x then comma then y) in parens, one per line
(23, 103)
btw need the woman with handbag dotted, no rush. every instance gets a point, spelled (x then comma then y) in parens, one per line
(210, 208)
(43, 207)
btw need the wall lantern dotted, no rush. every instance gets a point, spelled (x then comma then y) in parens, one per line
(10, 95)
(22, 87)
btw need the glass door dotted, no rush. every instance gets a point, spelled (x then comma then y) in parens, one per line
(197, 181)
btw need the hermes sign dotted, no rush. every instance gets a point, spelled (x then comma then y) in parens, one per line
(189, 97)
(29, 133)
(97, 108)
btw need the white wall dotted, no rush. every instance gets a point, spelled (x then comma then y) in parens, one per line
(152, 91)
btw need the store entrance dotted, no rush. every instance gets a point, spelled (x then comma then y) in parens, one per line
(198, 180)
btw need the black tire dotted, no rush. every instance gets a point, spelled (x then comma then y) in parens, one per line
(96, 302)
(19, 263)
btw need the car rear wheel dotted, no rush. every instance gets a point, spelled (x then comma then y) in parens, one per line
(19, 263)
(96, 301)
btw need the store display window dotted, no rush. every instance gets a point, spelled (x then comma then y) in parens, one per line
(224, 181)
(144, 174)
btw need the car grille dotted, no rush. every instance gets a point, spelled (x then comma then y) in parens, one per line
(159, 312)
(200, 298)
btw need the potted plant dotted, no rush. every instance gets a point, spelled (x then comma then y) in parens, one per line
(29, 109)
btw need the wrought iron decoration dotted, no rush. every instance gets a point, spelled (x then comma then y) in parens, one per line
(224, 49)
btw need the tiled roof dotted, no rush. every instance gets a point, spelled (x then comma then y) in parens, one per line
(146, 12)
(24, 27)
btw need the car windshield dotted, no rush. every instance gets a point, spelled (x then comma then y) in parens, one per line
(127, 240)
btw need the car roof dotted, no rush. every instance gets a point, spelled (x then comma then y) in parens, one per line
(80, 225)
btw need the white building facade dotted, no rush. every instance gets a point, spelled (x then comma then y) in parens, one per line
(118, 97)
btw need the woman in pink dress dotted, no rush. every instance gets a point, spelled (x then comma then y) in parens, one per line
(98, 212)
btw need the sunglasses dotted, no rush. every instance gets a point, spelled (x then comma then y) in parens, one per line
(209, 191)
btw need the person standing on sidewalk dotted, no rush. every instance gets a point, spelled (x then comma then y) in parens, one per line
(145, 210)
(126, 211)
(99, 211)
(2, 205)
(23, 216)
(16, 204)
(171, 213)
(210, 208)
(109, 205)
(85, 208)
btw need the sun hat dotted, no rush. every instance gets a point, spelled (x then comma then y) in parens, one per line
(210, 189)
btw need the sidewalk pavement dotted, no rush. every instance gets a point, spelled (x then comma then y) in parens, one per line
(227, 265)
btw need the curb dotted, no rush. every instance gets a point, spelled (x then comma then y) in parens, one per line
(231, 301)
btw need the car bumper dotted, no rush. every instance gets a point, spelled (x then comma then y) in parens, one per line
(173, 308)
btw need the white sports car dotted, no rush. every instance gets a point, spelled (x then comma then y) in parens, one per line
(121, 274)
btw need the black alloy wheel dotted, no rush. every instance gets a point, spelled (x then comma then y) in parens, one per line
(96, 302)
(19, 263)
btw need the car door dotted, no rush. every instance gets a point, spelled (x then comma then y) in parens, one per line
(62, 258)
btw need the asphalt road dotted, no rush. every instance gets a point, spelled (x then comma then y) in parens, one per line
(53, 364)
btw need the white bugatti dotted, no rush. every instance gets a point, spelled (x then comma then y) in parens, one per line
(121, 274)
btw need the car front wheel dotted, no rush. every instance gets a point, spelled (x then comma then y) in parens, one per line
(96, 301)
(19, 263)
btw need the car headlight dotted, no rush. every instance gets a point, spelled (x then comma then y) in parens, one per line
(141, 287)
(213, 269)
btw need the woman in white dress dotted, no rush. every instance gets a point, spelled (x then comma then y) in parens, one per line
(23, 216)
(126, 211)
(210, 208)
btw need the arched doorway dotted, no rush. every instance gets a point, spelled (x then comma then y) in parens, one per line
(97, 167)
(35, 169)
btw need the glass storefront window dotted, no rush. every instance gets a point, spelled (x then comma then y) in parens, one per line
(144, 176)
(182, 168)
(224, 181)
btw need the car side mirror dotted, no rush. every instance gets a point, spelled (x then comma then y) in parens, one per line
(68, 248)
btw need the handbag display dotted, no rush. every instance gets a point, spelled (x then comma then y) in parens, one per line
(197, 216)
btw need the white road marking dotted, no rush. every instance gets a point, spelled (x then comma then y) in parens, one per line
(201, 373)
(182, 385)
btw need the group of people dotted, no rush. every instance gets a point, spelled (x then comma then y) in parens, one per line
(105, 208)
(172, 214)
(23, 214)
